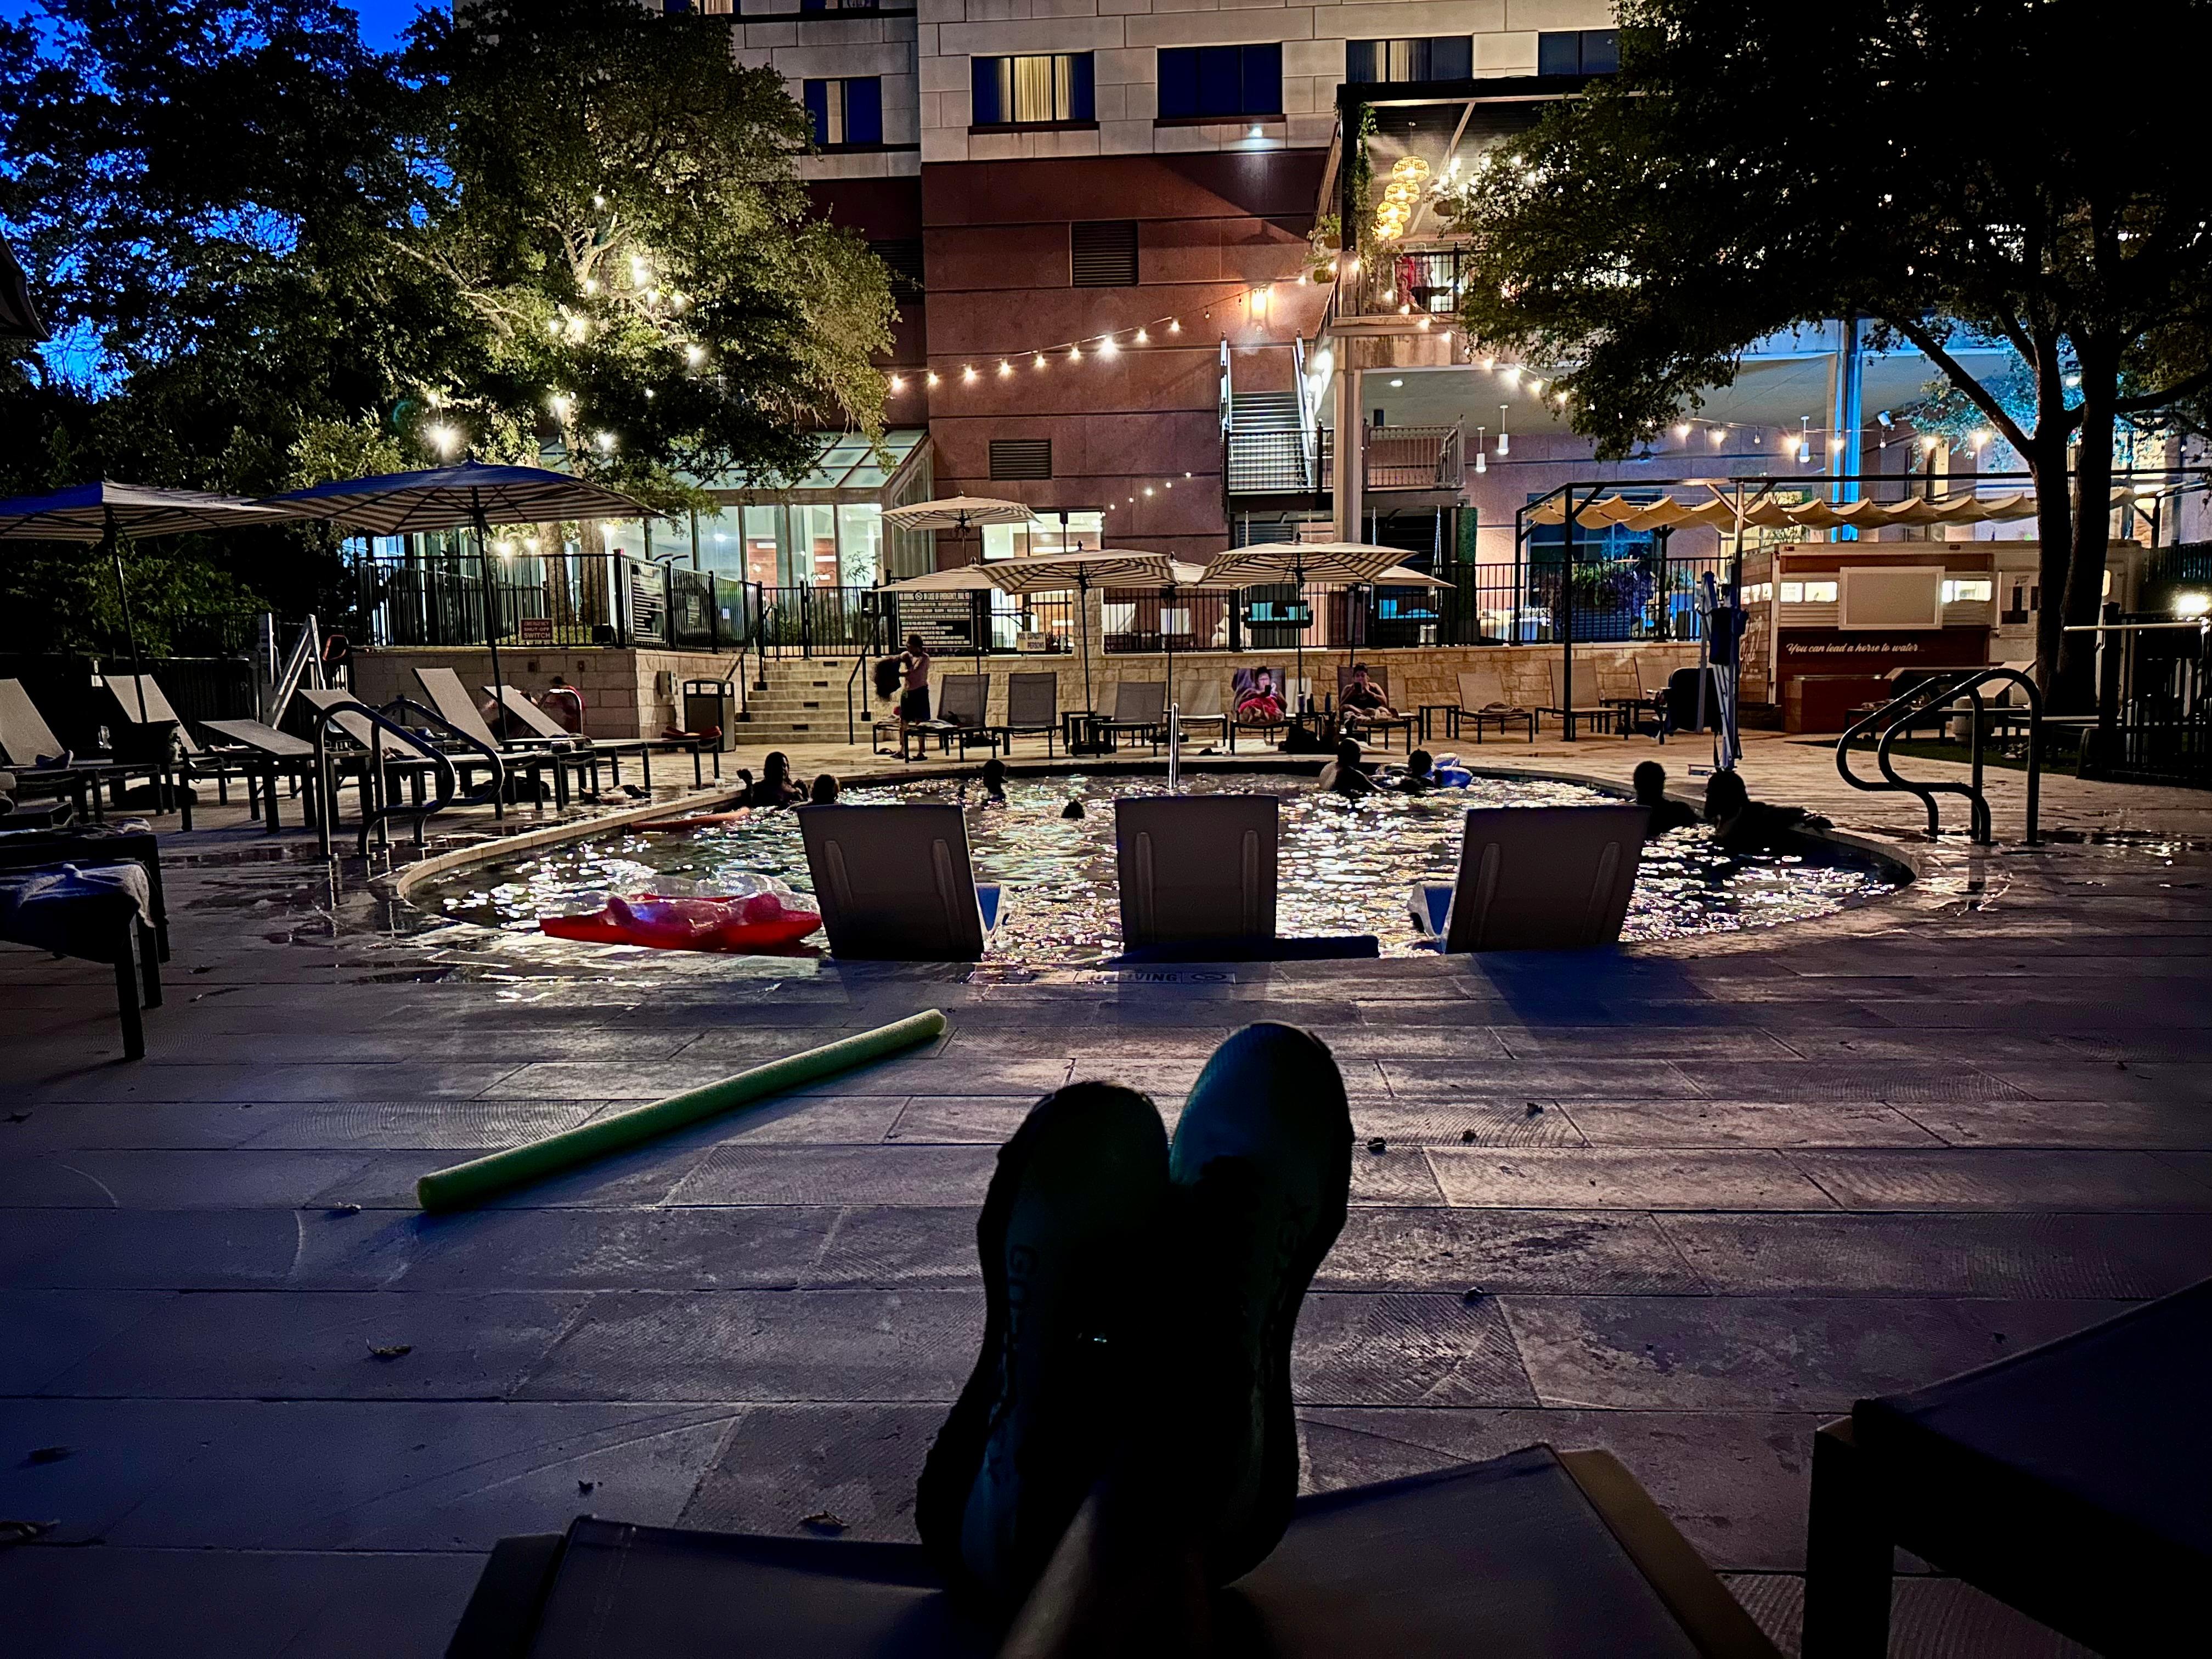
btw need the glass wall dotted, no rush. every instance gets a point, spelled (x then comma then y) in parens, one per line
(811, 550)
(1083, 531)
(763, 532)
(859, 544)
(722, 541)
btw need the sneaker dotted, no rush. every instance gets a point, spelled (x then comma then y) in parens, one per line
(1068, 1237)
(1260, 1170)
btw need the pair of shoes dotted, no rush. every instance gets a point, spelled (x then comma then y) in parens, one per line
(1140, 1293)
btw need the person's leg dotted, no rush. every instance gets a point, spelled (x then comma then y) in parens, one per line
(1068, 1239)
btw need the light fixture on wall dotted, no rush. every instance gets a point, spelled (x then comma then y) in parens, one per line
(1505, 438)
(1481, 456)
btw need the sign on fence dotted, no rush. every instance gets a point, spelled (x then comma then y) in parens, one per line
(534, 630)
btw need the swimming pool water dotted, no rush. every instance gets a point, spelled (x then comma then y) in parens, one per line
(1346, 866)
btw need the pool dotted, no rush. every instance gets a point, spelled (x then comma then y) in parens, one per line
(1345, 866)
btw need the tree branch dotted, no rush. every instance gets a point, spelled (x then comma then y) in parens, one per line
(2180, 389)
(1975, 392)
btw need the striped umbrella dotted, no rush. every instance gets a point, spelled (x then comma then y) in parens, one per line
(472, 496)
(108, 512)
(1327, 564)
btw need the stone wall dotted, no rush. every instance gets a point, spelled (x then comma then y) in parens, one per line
(622, 689)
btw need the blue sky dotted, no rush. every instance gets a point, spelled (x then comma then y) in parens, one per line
(381, 20)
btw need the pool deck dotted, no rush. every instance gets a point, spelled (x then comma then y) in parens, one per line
(1709, 1193)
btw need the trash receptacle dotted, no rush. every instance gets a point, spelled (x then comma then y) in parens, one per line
(712, 706)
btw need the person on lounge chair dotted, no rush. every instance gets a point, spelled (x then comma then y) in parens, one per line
(1260, 703)
(777, 786)
(1651, 793)
(1363, 700)
(1342, 775)
(1741, 824)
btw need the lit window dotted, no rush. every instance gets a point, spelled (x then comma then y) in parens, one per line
(848, 112)
(1032, 91)
(1821, 592)
(1970, 589)
(1437, 58)
(1793, 593)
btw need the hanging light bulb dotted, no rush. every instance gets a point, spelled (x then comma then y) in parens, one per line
(1040, 360)
(1107, 348)
(930, 379)
(1482, 453)
(1175, 324)
(1505, 438)
(968, 372)
(898, 382)
(1075, 354)
(1143, 338)
(1005, 368)
(1716, 435)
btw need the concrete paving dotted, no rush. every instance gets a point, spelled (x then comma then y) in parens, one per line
(1685, 1201)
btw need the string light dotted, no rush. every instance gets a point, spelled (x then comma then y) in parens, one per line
(1107, 348)
(1716, 435)
(1175, 324)
(1040, 360)
(931, 379)
(1143, 338)
(898, 382)
(968, 372)
(1005, 368)
(1075, 354)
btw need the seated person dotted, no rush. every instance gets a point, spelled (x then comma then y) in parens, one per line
(777, 786)
(1343, 776)
(1651, 792)
(1260, 703)
(825, 791)
(994, 782)
(1363, 700)
(1741, 824)
(1421, 774)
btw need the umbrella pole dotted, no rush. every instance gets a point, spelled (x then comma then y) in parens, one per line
(491, 618)
(114, 538)
(1082, 623)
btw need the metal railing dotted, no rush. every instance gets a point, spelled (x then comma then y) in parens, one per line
(551, 599)
(1403, 457)
(1942, 691)
(2153, 701)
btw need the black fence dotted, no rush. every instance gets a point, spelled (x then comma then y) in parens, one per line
(553, 599)
(2154, 723)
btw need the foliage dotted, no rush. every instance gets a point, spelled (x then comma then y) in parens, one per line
(1954, 173)
(271, 255)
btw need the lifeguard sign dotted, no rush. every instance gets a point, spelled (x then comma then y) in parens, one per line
(1890, 597)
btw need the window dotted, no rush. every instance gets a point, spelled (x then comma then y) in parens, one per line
(1439, 58)
(1036, 91)
(1578, 51)
(1103, 253)
(848, 112)
(709, 8)
(1021, 457)
(903, 257)
(1822, 593)
(1085, 530)
(1970, 589)
(1199, 81)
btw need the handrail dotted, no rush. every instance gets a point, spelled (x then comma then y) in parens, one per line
(1936, 692)
(1305, 411)
(1228, 390)
(448, 775)
(868, 650)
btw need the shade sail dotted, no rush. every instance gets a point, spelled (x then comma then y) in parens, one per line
(455, 497)
(83, 514)
(1718, 511)
(957, 513)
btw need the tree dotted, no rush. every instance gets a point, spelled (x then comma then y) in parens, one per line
(622, 217)
(2014, 171)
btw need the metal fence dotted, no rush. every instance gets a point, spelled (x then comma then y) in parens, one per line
(2154, 719)
(553, 599)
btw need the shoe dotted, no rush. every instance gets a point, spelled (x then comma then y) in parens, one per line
(1068, 1237)
(1259, 1172)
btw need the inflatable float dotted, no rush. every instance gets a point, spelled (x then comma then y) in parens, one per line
(767, 921)
(696, 821)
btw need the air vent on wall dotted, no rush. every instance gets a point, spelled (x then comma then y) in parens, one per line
(1103, 252)
(903, 257)
(1021, 457)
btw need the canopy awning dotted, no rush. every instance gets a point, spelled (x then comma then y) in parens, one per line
(1717, 511)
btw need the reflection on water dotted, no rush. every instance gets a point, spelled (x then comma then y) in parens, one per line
(1346, 866)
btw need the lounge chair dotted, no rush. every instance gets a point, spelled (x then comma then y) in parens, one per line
(538, 726)
(894, 883)
(1354, 723)
(1198, 882)
(1621, 690)
(2068, 1480)
(1536, 878)
(145, 709)
(1032, 708)
(1482, 700)
(964, 703)
(1140, 707)
(97, 912)
(568, 755)
(30, 749)
(1587, 709)
(263, 755)
(1204, 707)
(380, 759)
(26, 845)
(1532, 1555)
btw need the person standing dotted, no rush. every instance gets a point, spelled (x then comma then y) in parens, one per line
(913, 682)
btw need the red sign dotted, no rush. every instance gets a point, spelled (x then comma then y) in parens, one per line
(534, 630)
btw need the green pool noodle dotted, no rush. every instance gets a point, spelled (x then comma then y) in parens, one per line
(481, 1178)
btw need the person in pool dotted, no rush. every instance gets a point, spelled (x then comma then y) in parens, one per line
(1741, 824)
(775, 786)
(825, 791)
(1342, 775)
(1421, 774)
(1651, 793)
(994, 782)
(1260, 703)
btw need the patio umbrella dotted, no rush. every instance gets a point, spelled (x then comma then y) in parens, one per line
(1104, 567)
(472, 496)
(107, 513)
(18, 315)
(959, 514)
(1337, 564)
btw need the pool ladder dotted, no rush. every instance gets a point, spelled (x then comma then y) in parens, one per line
(1940, 691)
(1175, 749)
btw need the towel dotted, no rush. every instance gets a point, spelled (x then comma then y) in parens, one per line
(74, 909)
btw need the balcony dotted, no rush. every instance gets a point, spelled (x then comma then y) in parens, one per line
(1403, 458)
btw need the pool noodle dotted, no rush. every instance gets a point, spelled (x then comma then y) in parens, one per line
(479, 1178)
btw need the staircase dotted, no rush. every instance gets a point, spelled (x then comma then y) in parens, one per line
(1266, 444)
(804, 703)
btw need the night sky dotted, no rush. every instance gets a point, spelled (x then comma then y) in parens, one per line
(381, 20)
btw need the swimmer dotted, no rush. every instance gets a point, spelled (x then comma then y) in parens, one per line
(994, 782)
(1343, 775)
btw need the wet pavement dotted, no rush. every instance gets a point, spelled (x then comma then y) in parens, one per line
(1685, 1201)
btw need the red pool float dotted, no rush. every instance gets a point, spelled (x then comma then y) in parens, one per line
(756, 921)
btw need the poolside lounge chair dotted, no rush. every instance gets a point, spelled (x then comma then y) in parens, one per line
(894, 883)
(24, 846)
(1620, 691)
(964, 703)
(30, 749)
(1032, 708)
(1484, 700)
(143, 707)
(1198, 881)
(1586, 708)
(538, 726)
(2068, 1480)
(1536, 878)
(568, 755)
(377, 759)
(1140, 707)
(263, 755)
(1535, 1555)
(1202, 707)
(95, 912)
